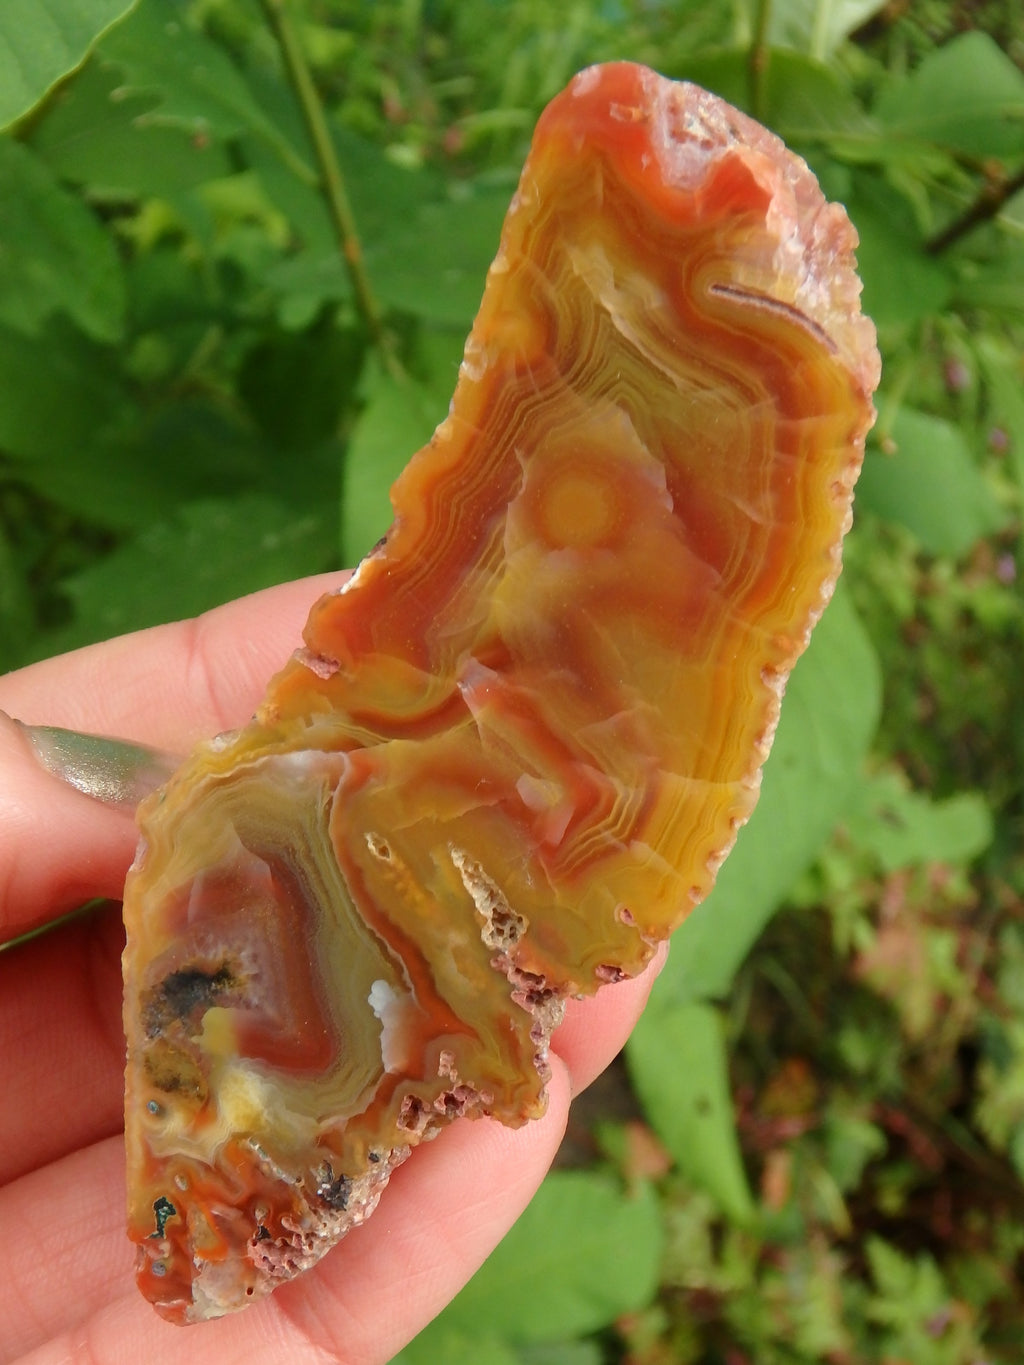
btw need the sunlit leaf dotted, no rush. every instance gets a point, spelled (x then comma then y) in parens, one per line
(678, 1065)
(966, 95)
(931, 484)
(564, 1268)
(817, 26)
(456, 1347)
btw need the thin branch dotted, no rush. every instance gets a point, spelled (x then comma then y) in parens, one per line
(331, 178)
(994, 193)
(758, 57)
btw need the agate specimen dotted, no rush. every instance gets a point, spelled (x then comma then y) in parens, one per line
(520, 740)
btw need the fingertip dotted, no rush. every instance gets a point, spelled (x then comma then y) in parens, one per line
(596, 1027)
(441, 1216)
(58, 848)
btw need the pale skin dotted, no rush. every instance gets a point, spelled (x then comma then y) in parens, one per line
(66, 1266)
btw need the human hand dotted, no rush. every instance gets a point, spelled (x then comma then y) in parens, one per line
(65, 1261)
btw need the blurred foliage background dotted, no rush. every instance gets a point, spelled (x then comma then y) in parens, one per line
(813, 1147)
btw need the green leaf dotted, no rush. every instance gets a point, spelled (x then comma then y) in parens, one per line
(851, 1141)
(207, 553)
(931, 485)
(1004, 374)
(427, 253)
(678, 1065)
(903, 828)
(97, 134)
(995, 285)
(15, 604)
(808, 102)
(42, 40)
(828, 720)
(296, 385)
(816, 26)
(967, 96)
(564, 1268)
(54, 255)
(454, 1346)
(56, 391)
(902, 283)
(803, 100)
(189, 80)
(561, 1353)
(434, 263)
(136, 469)
(400, 416)
(911, 1297)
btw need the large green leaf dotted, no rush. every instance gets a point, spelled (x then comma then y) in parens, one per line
(434, 263)
(582, 1253)
(561, 1353)
(151, 459)
(967, 96)
(806, 101)
(190, 80)
(207, 553)
(456, 1346)
(829, 717)
(931, 484)
(441, 1342)
(42, 40)
(678, 1065)
(902, 283)
(54, 255)
(995, 286)
(97, 134)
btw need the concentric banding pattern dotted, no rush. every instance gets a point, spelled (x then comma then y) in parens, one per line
(520, 741)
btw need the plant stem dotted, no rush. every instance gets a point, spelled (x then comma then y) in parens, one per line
(332, 181)
(994, 192)
(758, 58)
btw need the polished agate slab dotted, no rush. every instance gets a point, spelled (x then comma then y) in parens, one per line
(519, 742)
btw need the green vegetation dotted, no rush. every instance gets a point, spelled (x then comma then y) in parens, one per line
(818, 1153)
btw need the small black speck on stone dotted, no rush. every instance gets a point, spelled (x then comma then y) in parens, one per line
(334, 1190)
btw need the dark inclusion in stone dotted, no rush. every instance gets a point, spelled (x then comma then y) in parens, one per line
(334, 1190)
(182, 994)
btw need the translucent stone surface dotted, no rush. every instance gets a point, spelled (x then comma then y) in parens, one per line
(520, 741)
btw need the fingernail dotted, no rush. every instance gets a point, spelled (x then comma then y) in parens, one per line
(115, 771)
